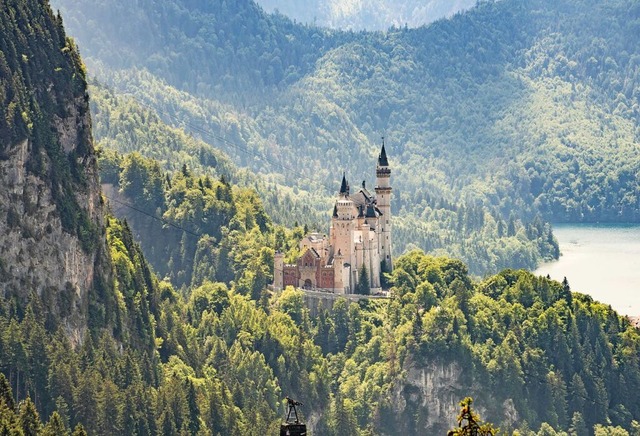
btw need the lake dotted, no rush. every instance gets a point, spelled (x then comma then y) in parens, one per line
(602, 260)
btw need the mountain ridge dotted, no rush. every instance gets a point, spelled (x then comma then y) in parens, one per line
(457, 88)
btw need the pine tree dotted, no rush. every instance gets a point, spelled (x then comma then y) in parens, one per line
(6, 396)
(79, 431)
(194, 410)
(55, 426)
(29, 418)
(417, 326)
(363, 286)
(578, 425)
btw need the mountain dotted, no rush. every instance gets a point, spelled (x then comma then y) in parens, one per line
(370, 15)
(518, 108)
(52, 213)
(528, 107)
(216, 357)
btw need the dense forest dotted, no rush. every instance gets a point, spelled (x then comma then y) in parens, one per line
(479, 235)
(220, 362)
(217, 352)
(371, 15)
(530, 107)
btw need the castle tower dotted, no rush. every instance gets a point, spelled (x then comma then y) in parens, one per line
(278, 271)
(383, 196)
(339, 273)
(343, 223)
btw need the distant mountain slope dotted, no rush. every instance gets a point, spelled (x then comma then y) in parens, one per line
(210, 47)
(521, 107)
(369, 15)
(495, 105)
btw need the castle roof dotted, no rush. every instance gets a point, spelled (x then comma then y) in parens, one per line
(344, 187)
(382, 158)
(312, 251)
(371, 211)
(314, 237)
(362, 198)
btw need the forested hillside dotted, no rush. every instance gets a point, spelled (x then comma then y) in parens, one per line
(524, 108)
(124, 125)
(480, 236)
(50, 206)
(516, 342)
(370, 15)
(216, 358)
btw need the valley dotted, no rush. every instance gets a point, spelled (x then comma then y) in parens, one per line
(159, 157)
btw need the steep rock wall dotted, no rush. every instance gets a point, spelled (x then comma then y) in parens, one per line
(52, 240)
(37, 254)
(426, 400)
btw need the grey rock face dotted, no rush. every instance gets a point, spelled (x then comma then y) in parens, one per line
(36, 254)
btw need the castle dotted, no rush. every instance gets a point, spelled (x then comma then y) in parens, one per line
(359, 242)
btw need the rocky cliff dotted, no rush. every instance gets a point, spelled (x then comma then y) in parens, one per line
(51, 210)
(431, 390)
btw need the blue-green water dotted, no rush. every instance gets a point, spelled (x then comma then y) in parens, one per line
(602, 261)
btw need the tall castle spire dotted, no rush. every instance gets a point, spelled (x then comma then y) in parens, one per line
(344, 187)
(383, 198)
(382, 157)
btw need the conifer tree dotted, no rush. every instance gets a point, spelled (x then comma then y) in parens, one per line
(194, 410)
(79, 431)
(29, 418)
(55, 426)
(363, 286)
(6, 396)
(578, 425)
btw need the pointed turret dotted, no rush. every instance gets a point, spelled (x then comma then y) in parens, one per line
(344, 187)
(335, 211)
(382, 157)
(382, 169)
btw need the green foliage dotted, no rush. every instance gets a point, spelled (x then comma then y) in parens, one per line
(524, 338)
(222, 361)
(29, 419)
(363, 287)
(195, 229)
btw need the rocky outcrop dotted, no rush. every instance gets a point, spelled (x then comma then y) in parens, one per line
(37, 254)
(426, 400)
